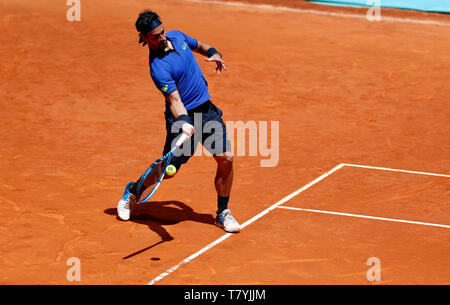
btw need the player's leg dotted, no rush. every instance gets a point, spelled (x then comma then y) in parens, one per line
(223, 179)
(223, 182)
(218, 144)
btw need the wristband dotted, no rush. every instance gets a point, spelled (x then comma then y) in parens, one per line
(212, 51)
(185, 118)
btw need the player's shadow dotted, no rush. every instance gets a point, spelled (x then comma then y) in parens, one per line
(157, 214)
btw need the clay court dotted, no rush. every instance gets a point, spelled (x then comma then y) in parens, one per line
(364, 162)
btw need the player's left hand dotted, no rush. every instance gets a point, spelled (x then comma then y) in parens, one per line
(219, 62)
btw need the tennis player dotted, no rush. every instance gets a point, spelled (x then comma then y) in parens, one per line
(176, 73)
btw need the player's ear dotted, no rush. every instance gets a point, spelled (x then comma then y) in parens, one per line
(141, 39)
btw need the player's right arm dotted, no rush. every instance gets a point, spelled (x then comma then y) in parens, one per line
(177, 109)
(165, 83)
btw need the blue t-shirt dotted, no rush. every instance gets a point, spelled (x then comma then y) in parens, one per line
(179, 70)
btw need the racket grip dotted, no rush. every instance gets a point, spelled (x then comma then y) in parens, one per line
(181, 139)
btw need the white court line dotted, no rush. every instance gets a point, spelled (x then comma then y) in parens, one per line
(290, 196)
(365, 216)
(395, 170)
(188, 259)
(224, 237)
(318, 12)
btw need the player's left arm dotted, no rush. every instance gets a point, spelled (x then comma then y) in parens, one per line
(212, 55)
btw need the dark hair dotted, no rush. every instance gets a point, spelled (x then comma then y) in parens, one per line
(144, 21)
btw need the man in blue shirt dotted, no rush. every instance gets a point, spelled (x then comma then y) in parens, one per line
(176, 73)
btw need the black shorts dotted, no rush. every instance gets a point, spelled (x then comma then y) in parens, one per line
(210, 130)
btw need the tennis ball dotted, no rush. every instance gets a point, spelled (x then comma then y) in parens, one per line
(171, 170)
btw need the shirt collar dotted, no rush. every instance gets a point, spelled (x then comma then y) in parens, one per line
(161, 53)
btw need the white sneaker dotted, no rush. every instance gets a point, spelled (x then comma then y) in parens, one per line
(126, 204)
(227, 222)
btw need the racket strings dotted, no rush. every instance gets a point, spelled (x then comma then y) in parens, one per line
(153, 179)
(153, 176)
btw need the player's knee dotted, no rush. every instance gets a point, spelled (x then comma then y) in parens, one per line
(225, 160)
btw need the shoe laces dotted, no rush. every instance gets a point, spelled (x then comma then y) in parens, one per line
(227, 216)
(230, 217)
(126, 202)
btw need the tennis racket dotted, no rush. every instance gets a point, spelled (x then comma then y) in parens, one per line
(165, 161)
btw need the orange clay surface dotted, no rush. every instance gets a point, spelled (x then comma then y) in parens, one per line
(80, 117)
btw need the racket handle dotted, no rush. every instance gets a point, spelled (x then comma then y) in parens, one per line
(181, 139)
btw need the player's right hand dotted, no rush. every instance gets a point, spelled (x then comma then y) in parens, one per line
(187, 129)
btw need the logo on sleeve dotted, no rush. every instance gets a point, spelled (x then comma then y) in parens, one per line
(184, 45)
(164, 89)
